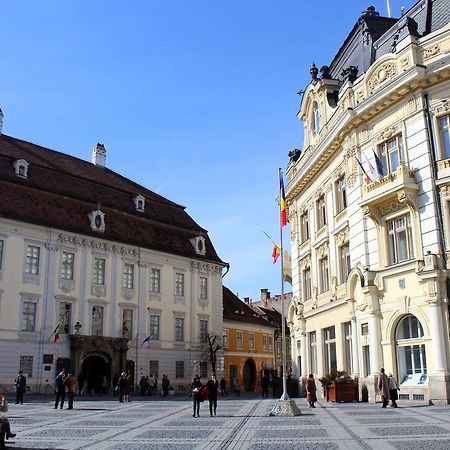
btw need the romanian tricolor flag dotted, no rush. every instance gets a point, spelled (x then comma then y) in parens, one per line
(276, 253)
(55, 335)
(283, 211)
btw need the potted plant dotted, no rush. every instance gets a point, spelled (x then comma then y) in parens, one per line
(339, 386)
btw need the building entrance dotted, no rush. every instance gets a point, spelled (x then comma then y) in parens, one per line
(249, 375)
(96, 370)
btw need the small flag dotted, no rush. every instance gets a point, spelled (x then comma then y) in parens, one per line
(368, 179)
(283, 212)
(379, 165)
(55, 335)
(276, 253)
(147, 339)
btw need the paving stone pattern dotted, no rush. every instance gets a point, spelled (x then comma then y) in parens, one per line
(241, 423)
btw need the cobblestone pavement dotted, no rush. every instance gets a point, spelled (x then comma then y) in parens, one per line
(241, 423)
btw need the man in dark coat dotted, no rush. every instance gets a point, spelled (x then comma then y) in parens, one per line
(213, 386)
(21, 386)
(121, 385)
(60, 389)
(383, 386)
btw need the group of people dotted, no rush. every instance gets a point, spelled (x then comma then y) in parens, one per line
(64, 384)
(124, 387)
(148, 385)
(201, 392)
(388, 388)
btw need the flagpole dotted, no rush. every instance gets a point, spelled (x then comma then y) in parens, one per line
(285, 395)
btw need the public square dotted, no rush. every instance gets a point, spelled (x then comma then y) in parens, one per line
(241, 423)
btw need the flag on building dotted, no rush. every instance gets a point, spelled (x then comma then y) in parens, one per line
(283, 211)
(368, 179)
(379, 165)
(147, 339)
(55, 335)
(276, 253)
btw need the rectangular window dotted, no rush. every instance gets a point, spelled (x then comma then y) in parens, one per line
(179, 329)
(391, 154)
(179, 284)
(400, 239)
(344, 262)
(330, 349)
(366, 360)
(304, 227)
(29, 316)
(1, 253)
(321, 212)
(128, 276)
(364, 329)
(97, 321)
(203, 288)
(239, 343)
(225, 338)
(324, 277)
(306, 281)
(32, 260)
(204, 369)
(154, 327)
(67, 264)
(99, 271)
(204, 331)
(444, 134)
(341, 194)
(65, 318)
(153, 368)
(270, 343)
(26, 365)
(312, 338)
(155, 280)
(251, 341)
(348, 347)
(127, 324)
(179, 369)
(264, 343)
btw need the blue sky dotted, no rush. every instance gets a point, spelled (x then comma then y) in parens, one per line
(194, 99)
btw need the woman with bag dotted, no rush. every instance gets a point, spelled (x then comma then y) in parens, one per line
(197, 397)
(5, 428)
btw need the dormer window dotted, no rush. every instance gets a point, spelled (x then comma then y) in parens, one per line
(315, 119)
(97, 219)
(199, 245)
(21, 167)
(139, 203)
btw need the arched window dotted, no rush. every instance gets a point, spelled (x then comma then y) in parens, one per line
(315, 119)
(411, 355)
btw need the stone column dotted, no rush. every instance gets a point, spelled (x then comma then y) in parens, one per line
(355, 350)
(375, 342)
(303, 343)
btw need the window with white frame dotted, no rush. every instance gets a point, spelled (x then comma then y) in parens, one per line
(179, 369)
(67, 265)
(26, 365)
(304, 226)
(330, 359)
(203, 281)
(444, 136)
(312, 340)
(321, 212)
(391, 154)
(239, 340)
(155, 280)
(251, 341)
(127, 323)
(179, 329)
(1, 253)
(264, 343)
(344, 262)
(306, 282)
(98, 276)
(97, 320)
(203, 331)
(179, 284)
(29, 316)
(341, 194)
(270, 343)
(225, 338)
(65, 317)
(324, 275)
(400, 239)
(347, 328)
(128, 276)
(154, 326)
(32, 260)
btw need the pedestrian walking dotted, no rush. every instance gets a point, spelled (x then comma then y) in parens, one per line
(20, 384)
(196, 387)
(265, 385)
(311, 389)
(70, 383)
(383, 386)
(393, 390)
(223, 386)
(212, 388)
(5, 428)
(165, 383)
(120, 386)
(128, 388)
(60, 389)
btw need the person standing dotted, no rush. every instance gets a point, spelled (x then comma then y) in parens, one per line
(5, 428)
(70, 389)
(120, 387)
(151, 385)
(393, 390)
(165, 383)
(311, 389)
(20, 384)
(60, 389)
(265, 385)
(383, 386)
(196, 387)
(223, 386)
(212, 386)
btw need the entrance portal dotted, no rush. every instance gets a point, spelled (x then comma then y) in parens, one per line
(96, 367)
(249, 375)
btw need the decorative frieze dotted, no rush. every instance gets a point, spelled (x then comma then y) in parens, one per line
(382, 75)
(431, 52)
(204, 267)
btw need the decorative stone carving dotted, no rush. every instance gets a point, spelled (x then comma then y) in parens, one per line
(444, 190)
(412, 105)
(360, 96)
(315, 297)
(342, 236)
(333, 288)
(127, 293)
(442, 107)
(204, 267)
(305, 263)
(390, 207)
(322, 251)
(430, 52)
(351, 171)
(66, 285)
(98, 290)
(381, 75)
(404, 63)
(387, 133)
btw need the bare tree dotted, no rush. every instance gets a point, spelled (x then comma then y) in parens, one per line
(209, 350)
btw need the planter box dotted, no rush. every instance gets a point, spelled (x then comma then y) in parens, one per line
(342, 392)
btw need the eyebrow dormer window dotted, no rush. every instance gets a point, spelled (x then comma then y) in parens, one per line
(315, 119)
(97, 219)
(21, 167)
(139, 203)
(199, 245)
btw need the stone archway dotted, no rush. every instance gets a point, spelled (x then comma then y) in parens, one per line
(249, 375)
(95, 366)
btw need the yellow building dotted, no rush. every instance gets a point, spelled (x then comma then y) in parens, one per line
(368, 198)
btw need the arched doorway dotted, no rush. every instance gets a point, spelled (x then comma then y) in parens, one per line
(249, 375)
(94, 367)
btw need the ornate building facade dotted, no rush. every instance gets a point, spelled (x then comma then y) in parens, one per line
(368, 198)
(98, 274)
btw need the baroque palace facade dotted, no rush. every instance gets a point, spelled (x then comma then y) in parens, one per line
(99, 274)
(369, 207)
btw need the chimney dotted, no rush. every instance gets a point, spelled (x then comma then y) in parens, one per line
(247, 300)
(1, 120)
(99, 155)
